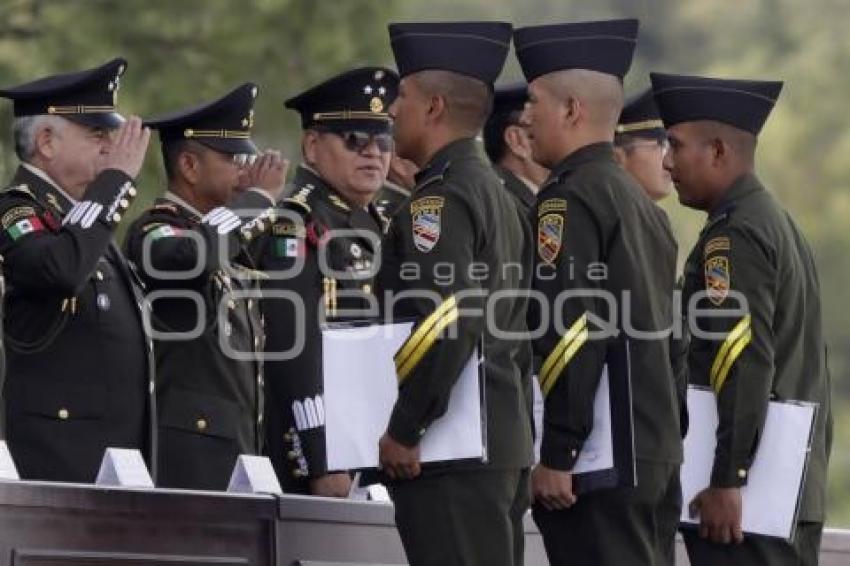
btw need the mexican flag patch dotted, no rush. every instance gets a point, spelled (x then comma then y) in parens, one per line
(24, 227)
(289, 247)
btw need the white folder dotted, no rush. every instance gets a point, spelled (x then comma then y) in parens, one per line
(775, 480)
(361, 387)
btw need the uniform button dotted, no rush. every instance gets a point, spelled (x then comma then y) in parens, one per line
(574, 453)
(132, 192)
(367, 288)
(201, 424)
(116, 218)
(231, 304)
(64, 414)
(124, 203)
(99, 275)
(742, 473)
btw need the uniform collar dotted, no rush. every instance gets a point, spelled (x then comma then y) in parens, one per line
(595, 152)
(741, 188)
(44, 188)
(440, 162)
(519, 186)
(179, 201)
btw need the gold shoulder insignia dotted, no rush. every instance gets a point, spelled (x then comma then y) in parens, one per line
(552, 205)
(719, 244)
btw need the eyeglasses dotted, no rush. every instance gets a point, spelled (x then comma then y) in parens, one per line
(358, 141)
(664, 144)
(243, 159)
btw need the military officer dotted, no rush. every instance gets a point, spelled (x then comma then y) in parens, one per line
(204, 318)
(346, 147)
(79, 374)
(640, 144)
(459, 220)
(509, 149)
(604, 254)
(753, 270)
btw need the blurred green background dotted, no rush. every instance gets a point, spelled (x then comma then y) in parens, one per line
(183, 52)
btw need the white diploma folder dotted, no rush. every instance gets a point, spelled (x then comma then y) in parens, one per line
(775, 480)
(361, 387)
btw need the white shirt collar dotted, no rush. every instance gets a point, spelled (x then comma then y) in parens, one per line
(46, 178)
(173, 197)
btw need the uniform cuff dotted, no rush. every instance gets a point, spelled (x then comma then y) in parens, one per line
(403, 429)
(729, 473)
(559, 453)
(106, 199)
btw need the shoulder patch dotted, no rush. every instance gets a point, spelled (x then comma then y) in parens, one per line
(426, 214)
(289, 229)
(338, 202)
(714, 245)
(718, 278)
(550, 235)
(14, 214)
(166, 207)
(552, 205)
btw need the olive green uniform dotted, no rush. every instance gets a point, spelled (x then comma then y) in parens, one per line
(773, 349)
(460, 219)
(598, 232)
(391, 198)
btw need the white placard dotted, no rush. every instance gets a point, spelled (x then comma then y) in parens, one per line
(8, 471)
(775, 478)
(123, 467)
(254, 474)
(361, 387)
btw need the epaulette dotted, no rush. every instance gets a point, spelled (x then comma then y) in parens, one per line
(22, 190)
(299, 200)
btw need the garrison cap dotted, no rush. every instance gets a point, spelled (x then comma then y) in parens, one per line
(87, 97)
(603, 46)
(223, 125)
(640, 117)
(744, 104)
(474, 49)
(354, 100)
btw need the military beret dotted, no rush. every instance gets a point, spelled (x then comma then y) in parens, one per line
(223, 125)
(744, 104)
(354, 100)
(602, 46)
(88, 97)
(474, 49)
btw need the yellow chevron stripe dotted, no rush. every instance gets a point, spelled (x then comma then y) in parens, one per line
(560, 347)
(413, 341)
(425, 344)
(742, 327)
(558, 370)
(730, 359)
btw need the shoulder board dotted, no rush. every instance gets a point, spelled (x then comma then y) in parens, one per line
(20, 190)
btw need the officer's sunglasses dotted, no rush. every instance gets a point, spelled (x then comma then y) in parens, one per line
(243, 159)
(664, 144)
(357, 141)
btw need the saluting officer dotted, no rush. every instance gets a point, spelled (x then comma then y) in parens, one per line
(604, 252)
(753, 270)
(205, 303)
(457, 243)
(324, 248)
(79, 369)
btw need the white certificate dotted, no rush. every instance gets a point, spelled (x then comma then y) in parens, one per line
(361, 387)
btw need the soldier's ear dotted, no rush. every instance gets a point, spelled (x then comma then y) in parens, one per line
(308, 146)
(573, 109)
(189, 165)
(437, 108)
(517, 141)
(45, 142)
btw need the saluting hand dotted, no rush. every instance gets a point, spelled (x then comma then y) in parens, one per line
(720, 511)
(552, 488)
(398, 461)
(127, 151)
(268, 172)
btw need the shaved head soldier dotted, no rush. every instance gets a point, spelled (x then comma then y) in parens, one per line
(750, 250)
(459, 218)
(603, 245)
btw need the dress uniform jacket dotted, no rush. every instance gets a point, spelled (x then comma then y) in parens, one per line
(79, 375)
(391, 198)
(458, 222)
(316, 222)
(773, 349)
(598, 231)
(210, 399)
(518, 189)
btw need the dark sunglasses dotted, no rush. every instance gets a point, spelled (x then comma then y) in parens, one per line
(358, 141)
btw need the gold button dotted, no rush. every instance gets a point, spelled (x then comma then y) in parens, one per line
(64, 414)
(201, 424)
(367, 288)
(132, 192)
(116, 217)
(231, 304)
(124, 203)
(742, 473)
(99, 275)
